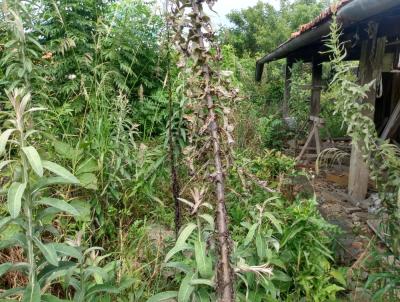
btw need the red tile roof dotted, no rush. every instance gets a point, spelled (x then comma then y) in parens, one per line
(325, 15)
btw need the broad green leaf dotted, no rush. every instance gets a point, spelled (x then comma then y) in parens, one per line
(83, 208)
(66, 151)
(4, 139)
(32, 293)
(16, 239)
(21, 267)
(30, 132)
(281, 276)
(277, 262)
(47, 214)
(125, 282)
(164, 296)
(290, 235)
(274, 221)
(261, 247)
(11, 292)
(175, 250)
(93, 248)
(102, 288)
(338, 275)
(209, 219)
(15, 193)
(186, 289)
(98, 273)
(14, 229)
(51, 298)
(87, 166)
(203, 296)
(275, 243)
(202, 282)
(34, 109)
(88, 181)
(5, 163)
(204, 264)
(51, 272)
(333, 288)
(5, 221)
(5, 267)
(34, 160)
(184, 235)
(250, 234)
(179, 266)
(110, 266)
(48, 181)
(67, 250)
(48, 251)
(25, 99)
(60, 171)
(58, 204)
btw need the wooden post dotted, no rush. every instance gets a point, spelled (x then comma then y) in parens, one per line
(372, 53)
(315, 106)
(316, 87)
(288, 83)
(392, 123)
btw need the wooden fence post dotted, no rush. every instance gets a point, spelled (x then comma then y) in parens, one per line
(288, 83)
(371, 59)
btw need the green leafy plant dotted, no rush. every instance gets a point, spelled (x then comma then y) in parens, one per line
(272, 131)
(27, 205)
(265, 168)
(198, 269)
(293, 243)
(32, 206)
(380, 156)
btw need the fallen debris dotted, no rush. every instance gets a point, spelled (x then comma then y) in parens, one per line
(339, 179)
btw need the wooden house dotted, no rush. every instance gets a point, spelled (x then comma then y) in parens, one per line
(371, 32)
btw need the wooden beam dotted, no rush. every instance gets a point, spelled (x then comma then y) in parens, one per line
(310, 137)
(395, 92)
(288, 83)
(315, 104)
(314, 134)
(393, 121)
(371, 62)
(316, 87)
(310, 87)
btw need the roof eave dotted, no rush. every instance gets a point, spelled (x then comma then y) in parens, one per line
(350, 13)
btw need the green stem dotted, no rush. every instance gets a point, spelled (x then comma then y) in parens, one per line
(28, 206)
(81, 273)
(31, 255)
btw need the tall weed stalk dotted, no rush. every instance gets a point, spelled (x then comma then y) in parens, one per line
(381, 157)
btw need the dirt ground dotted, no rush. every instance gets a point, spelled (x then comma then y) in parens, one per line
(353, 241)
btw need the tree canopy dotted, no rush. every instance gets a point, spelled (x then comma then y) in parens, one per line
(261, 28)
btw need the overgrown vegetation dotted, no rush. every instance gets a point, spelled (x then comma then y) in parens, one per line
(380, 156)
(100, 100)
